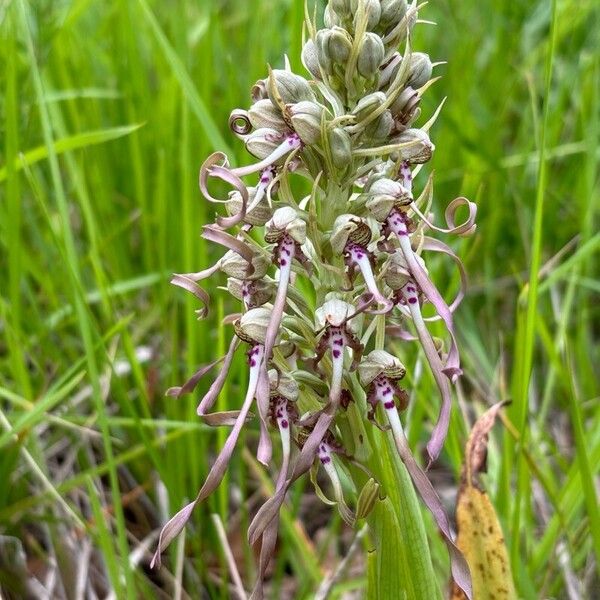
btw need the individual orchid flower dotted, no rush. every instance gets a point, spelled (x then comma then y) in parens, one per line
(350, 236)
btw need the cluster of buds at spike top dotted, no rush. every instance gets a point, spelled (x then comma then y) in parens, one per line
(321, 283)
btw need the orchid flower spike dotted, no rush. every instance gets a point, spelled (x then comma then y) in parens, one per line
(318, 280)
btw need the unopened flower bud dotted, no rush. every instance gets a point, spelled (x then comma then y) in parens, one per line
(367, 498)
(392, 12)
(263, 114)
(342, 7)
(405, 104)
(330, 17)
(349, 228)
(333, 47)
(381, 127)
(306, 120)
(380, 362)
(310, 59)
(373, 12)
(258, 215)
(370, 55)
(234, 265)
(283, 385)
(252, 325)
(340, 146)
(285, 220)
(367, 104)
(420, 70)
(261, 142)
(288, 87)
(419, 147)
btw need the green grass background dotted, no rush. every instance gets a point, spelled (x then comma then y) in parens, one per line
(108, 109)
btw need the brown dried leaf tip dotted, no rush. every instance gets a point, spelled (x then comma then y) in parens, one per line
(480, 536)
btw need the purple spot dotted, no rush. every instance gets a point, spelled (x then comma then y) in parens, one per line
(359, 255)
(336, 353)
(284, 424)
(282, 262)
(402, 232)
(412, 300)
(325, 460)
(252, 362)
(389, 404)
(338, 342)
(387, 391)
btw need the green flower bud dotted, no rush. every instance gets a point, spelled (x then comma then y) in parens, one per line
(419, 148)
(392, 12)
(288, 87)
(370, 55)
(420, 70)
(235, 266)
(340, 146)
(333, 47)
(366, 499)
(342, 7)
(397, 34)
(263, 114)
(330, 17)
(373, 12)
(381, 127)
(367, 104)
(306, 120)
(310, 59)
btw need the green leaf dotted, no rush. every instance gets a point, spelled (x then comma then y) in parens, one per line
(403, 561)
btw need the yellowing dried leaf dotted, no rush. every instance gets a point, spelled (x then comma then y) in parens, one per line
(480, 536)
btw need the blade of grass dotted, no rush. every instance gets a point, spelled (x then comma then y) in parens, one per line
(83, 317)
(67, 144)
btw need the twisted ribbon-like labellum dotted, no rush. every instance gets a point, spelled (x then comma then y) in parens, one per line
(438, 436)
(270, 509)
(215, 475)
(224, 239)
(269, 537)
(397, 224)
(289, 144)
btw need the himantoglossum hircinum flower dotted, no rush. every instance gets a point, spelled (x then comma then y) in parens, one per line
(320, 283)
